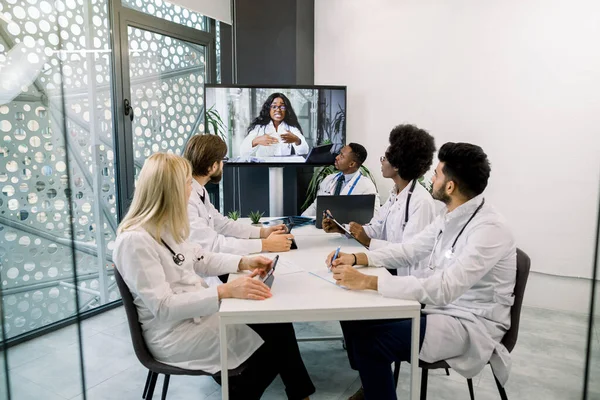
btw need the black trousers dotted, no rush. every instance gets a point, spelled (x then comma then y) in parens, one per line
(373, 345)
(279, 355)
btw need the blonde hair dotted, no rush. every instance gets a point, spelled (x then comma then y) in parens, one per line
(160, 200)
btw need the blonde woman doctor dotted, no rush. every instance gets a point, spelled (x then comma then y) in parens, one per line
(178, 309)
(275, 132)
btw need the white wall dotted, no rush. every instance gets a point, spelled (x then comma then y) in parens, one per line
(521, 78)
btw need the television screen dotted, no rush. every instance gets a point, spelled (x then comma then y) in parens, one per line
(300, 124)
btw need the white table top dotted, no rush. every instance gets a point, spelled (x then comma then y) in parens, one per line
(299, 296)
(310, 298)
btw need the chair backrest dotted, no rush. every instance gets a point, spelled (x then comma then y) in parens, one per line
(135, 329)
(523, 265)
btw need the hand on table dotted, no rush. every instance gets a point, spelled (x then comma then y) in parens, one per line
(245, 288)
(265, 232)
(277, 242)
(350, 278)
(259, 264)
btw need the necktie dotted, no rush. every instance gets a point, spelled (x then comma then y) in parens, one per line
(339, 185)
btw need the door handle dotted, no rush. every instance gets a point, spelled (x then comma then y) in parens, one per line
(128, 109)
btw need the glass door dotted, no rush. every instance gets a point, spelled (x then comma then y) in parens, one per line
(166, 104)
(161, 70)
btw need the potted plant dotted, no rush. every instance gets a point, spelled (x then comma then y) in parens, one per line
(255, 217)
(234, 215)
(214, 121)
(318, 176)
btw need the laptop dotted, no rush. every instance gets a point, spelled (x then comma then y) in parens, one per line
(345, 209)
(321, 154)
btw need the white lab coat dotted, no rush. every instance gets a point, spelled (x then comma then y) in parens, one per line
(470, 294)
(359, 184)
(278, 149)
(389, 225)
(175, 306)
(217, 233)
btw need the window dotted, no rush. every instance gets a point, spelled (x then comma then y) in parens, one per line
(58, 190)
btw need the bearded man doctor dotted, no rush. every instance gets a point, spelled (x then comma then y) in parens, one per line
(349, 180)
(275, 132)
(472, 253)
(208, 228)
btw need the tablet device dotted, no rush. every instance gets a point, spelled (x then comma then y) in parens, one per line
(346, 231)
(357, 207)
(269, 278)
(294, 246)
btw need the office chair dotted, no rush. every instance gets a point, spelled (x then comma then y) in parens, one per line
(155, 367)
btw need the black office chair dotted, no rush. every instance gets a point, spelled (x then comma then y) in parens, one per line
(155, 368)
(509, 340)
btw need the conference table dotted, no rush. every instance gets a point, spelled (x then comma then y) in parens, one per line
(304, 290)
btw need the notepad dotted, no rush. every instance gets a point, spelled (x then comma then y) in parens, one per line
(326, 275)
(288, 267)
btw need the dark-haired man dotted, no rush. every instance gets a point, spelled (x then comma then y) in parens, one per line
(208, 228)
(349, 180)
(409, 208)
(472, 254)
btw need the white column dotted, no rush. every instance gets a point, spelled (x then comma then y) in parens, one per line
(276, 192)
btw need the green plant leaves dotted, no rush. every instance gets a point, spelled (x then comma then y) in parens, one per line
(255, 216)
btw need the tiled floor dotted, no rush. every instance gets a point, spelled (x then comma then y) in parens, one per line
(548, 364)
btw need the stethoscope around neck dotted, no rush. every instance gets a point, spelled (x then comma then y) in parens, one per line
(450, 252)
(178, 258)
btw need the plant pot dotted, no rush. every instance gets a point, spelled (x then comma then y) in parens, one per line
(260, 225)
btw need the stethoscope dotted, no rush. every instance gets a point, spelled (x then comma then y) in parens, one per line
(410, 192)
(450, 252)
(178, 258)
(332, 185)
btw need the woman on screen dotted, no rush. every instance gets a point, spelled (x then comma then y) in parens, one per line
(178, 309)
(275, 132)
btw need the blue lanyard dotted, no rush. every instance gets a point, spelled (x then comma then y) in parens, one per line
(351, 187)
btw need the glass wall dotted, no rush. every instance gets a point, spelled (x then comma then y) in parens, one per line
(57, 155)
(56, 179)
(4, 379)
(58, 118)
(592, 383)
(169, 12)
(167, 78)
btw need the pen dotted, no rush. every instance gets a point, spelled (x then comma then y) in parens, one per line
(337, 251)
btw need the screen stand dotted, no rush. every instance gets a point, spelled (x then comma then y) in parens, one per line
(276, 191)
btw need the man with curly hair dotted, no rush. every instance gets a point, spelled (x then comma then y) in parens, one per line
(409, 208)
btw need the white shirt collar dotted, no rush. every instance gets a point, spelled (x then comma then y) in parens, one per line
(198, 188)
(467, 208)
(348, 177)
(271, 127)
(403, 192)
